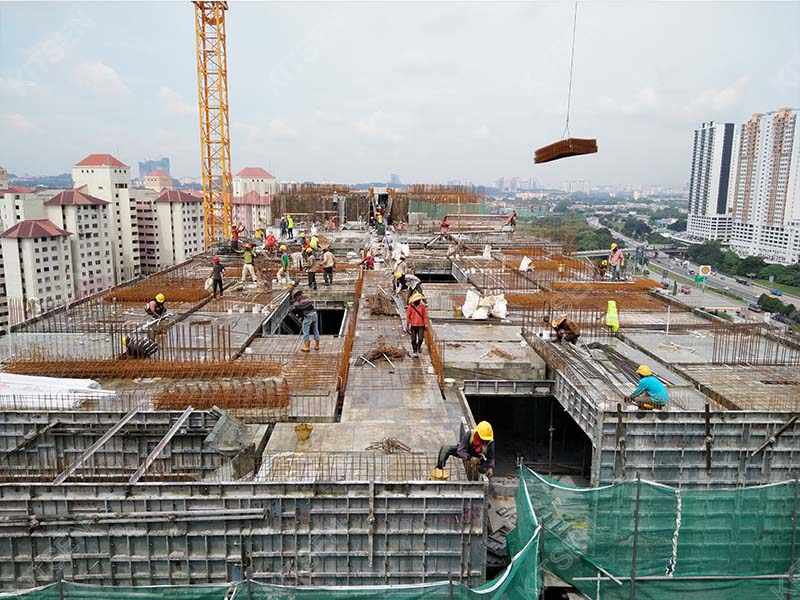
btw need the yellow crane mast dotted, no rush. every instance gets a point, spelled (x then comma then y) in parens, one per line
(212, 95)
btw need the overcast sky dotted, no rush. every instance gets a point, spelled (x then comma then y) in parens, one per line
(433, 92)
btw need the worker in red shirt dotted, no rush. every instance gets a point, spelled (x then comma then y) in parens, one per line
(417, 321)
(235, 231)
(444, 227)
(270, 243)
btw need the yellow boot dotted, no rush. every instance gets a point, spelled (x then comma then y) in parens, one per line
(316, 344)
(306, 346)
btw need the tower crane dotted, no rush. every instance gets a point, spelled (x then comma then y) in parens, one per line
(212, 96)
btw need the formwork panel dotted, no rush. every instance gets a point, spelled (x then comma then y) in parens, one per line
(294, 533)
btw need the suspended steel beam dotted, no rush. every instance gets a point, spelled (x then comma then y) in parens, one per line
(151, 458)
(212, 96)
(62, 477)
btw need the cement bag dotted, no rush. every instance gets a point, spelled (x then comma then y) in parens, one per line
(209, 284)
(500, 307)
(525, 264)
(470, 303)
(481, 313)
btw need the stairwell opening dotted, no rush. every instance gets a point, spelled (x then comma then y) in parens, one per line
(537, 430)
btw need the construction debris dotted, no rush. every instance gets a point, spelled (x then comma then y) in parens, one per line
(383, 350)
(389, 445)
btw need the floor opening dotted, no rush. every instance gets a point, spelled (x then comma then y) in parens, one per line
(522, 429)
(330, 322)
(435, 277)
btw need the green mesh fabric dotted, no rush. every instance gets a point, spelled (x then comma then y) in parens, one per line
(715, 535)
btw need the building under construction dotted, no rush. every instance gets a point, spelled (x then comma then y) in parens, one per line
(207, 448)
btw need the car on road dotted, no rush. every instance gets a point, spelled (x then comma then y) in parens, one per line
(755, 308)
(742, 281)
(776, 292)
(780, 318)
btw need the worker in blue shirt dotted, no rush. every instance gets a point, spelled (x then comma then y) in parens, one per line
(653, 392)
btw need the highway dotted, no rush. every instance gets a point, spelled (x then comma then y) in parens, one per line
(749, 293)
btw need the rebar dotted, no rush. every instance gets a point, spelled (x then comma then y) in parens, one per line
(137, 368)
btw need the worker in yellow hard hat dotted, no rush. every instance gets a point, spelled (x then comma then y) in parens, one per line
(651, 393)
(283, 272)
(156, 307)
(476, 446)
(617, 261)
(602, 268)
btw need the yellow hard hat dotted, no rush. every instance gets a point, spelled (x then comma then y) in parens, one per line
(398, 274)
(283, 247)
(644, 371)
(160, 298)
(605, 262)
(484, 431)
(415, 296)
(558, 320)
(614, 246)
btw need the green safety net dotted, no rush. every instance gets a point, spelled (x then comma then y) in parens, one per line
(689, 544)
(519, 581)
(703, 544)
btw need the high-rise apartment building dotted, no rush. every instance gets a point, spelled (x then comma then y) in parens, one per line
(254, 179)
(765, 187)
(147, 226)
(107, 178)
(37, 268)
(158, 181)
(3, 178)
(86, 218)
(148, 166)
(709, 211)
(4, 317)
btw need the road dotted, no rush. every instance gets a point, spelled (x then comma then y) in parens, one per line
(749, 293)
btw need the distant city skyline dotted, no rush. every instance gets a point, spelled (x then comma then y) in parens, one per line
(332, 101)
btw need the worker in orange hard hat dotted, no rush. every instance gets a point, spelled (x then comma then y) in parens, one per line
(476, 446)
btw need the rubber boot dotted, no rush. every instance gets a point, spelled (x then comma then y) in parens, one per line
(316, 344)
(306, 346)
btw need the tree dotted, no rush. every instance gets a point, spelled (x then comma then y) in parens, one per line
(679, 225)
(707, 253)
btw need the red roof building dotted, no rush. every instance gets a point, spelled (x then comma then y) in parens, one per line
(101, 160)
(157, 173)
(34, 228)
(74, 198)
(254, 172)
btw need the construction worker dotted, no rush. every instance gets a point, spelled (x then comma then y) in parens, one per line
(284, 226)
(314, 243)
(217, 269)
(617, 261)
(416, 322)
(328, 263)
(651, 393)
(565, 329)
(602, 268)
(247, 268)
(412, 283)
(156, 307)
(290, 226)
(270, 242)
(380, 225)
(476, 446)
(444, 227)
(283, 272)
(511, 221)
(368, 262)
(308, 265)
(259, 233)
(235, 231)
(303, 308)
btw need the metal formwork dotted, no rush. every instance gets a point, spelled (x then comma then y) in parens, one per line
(319, 533)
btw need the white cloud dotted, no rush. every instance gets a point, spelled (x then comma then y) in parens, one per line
(280, 129)
(19, 123)
(54, 48)
(174, 102)
(482, 132)
(378, 127)
(101, 79)
(720, 99)
(789, 74)
(14, 86)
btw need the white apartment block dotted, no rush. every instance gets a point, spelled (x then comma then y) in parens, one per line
(86, 217)
(180, 226)
(252, 211)
(765, 187)
(3, 178)
(254, 179)
(107, 178)
(709, 211)
(37, 268)
(4, 317)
